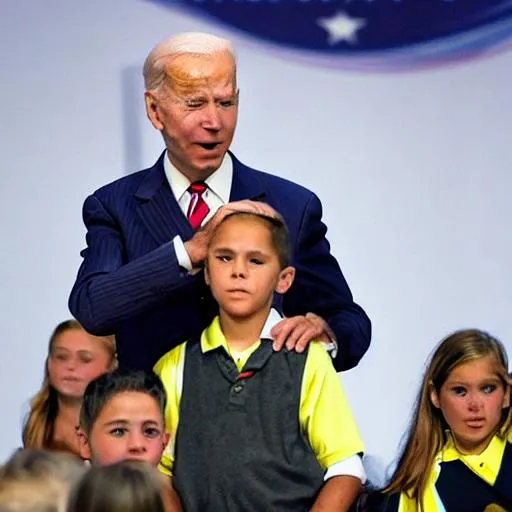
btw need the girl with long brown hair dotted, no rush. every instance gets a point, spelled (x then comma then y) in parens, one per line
(458, 453)
(74, 359)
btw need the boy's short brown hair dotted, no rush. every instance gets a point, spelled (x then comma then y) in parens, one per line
(279, 235)
(102, 389)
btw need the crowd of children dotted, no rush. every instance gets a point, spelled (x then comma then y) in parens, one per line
(235, 426)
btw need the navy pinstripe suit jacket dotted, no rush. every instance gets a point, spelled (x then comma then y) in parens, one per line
(130, 284)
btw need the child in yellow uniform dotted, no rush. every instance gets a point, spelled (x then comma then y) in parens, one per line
(458, 454)
(253, 429)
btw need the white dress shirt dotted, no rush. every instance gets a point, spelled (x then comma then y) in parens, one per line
(215, 196)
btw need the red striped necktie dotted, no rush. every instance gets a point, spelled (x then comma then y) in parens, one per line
(197, 208)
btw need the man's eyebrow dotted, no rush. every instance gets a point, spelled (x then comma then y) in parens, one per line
(194, 96)
(227, 95)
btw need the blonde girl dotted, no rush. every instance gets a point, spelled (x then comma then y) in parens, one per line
(458, 454)
(74, 359)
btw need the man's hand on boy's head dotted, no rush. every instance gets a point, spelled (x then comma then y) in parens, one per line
(197, 245)
(297, 331)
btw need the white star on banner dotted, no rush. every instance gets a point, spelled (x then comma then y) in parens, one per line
(341, 27)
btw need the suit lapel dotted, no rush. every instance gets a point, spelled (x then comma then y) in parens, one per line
(158, 209)
(246, 183)
(160, 212)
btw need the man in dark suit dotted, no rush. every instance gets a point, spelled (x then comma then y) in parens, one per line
(147, 233)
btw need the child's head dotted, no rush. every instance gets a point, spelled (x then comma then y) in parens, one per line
(74, 359)
(122, 417)
(34, 496)
(465, 391)
(126, 486)
(29, 463)
(247, 261)
(468, 389)
(38, 480)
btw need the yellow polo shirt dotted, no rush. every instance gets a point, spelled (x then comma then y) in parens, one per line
(324, 413)
(486, 465)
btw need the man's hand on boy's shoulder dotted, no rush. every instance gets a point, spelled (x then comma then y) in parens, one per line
(297, 331)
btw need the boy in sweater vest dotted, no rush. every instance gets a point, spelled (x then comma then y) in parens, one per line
(253, 429)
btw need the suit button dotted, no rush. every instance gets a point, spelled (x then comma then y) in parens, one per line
(237, 388)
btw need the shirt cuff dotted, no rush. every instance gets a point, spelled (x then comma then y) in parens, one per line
(182, 254)
(332, 345)
(351, 466)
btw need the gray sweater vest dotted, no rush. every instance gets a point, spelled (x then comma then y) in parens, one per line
(239, 446)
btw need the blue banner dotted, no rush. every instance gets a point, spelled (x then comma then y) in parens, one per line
(367, 34)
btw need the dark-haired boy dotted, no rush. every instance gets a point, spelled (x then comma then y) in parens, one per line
(122, 417)
(255, 429)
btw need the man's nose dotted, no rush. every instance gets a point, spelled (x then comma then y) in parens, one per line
(211, 120)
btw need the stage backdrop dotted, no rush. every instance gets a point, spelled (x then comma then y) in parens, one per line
(407, 145)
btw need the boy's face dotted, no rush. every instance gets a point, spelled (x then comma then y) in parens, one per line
(243, 269)
(129, 427)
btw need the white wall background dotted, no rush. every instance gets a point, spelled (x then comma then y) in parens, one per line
(413, 170)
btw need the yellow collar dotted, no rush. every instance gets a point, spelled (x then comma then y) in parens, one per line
(213, 337)
(486, 464)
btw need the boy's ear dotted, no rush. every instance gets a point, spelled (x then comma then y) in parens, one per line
(206, 273)
(83, 442)
(285, 280)
(165, 440)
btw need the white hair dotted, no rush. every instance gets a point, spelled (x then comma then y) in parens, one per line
(194, 43)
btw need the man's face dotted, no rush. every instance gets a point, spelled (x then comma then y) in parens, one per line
(129, 427)
(196, 111)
